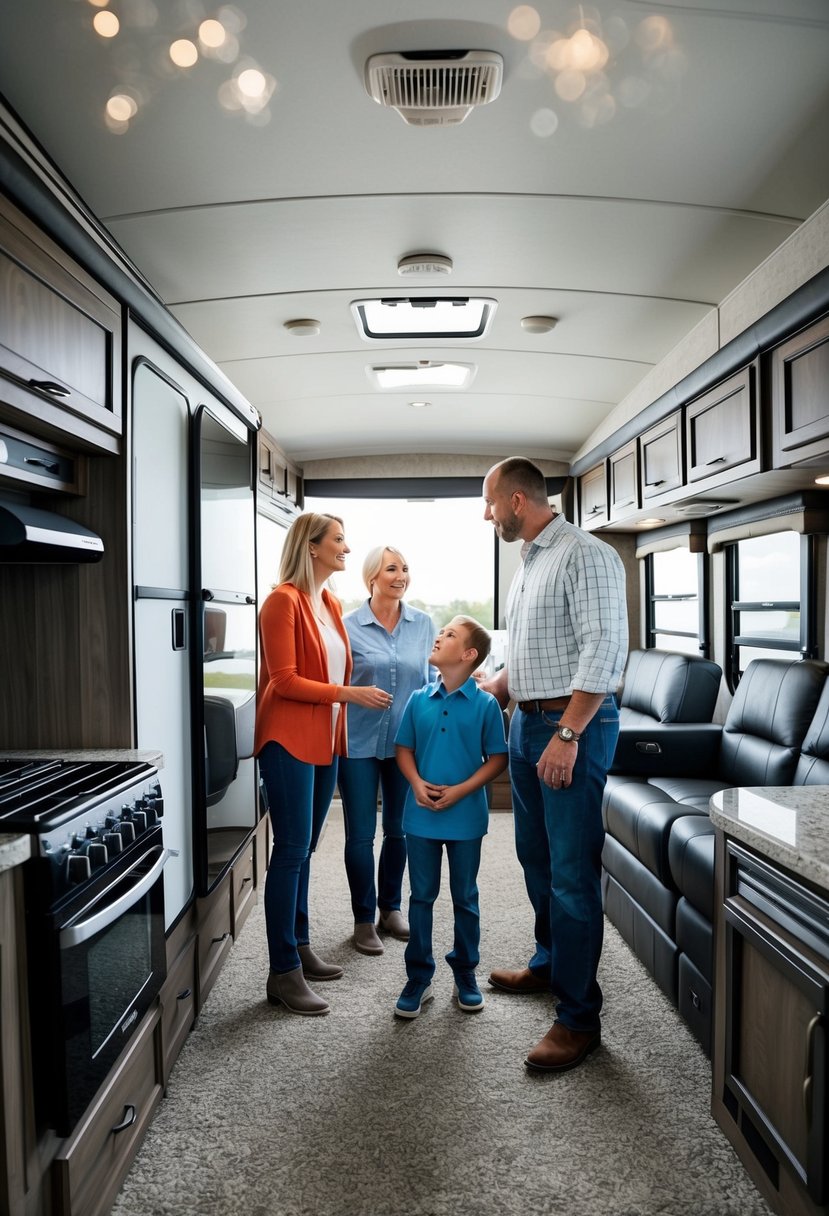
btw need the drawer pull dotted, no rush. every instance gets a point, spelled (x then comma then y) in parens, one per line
(50, 386)
(51, 466)
(248, 878)
(127, 1121)
(217, 941)
(716, 460)
(655, 483)
(183, 995)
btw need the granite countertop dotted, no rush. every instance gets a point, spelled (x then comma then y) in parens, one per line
(87, 753)
(786, 824)
(14, 849)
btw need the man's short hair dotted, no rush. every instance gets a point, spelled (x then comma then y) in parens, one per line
(518, 473)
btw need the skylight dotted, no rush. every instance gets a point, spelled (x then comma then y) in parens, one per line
(424, 317)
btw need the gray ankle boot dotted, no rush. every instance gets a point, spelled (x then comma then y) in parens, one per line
(313, 967)
(366, 939)
(289, 989)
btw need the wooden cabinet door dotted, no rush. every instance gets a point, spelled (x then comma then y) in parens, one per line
(660, 458)
(624, 481)
(800, 402)
(60, 341)
(593, 497)
(722, 432)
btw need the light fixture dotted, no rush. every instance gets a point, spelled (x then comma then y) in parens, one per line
(538, 325)
(424, 374)
(822, 481)
(420, 405)
(650, 523)
(424, 263)
(303, 327)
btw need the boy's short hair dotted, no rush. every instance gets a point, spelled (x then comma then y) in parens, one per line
(477, 637)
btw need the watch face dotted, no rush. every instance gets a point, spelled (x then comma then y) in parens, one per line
(565, 733)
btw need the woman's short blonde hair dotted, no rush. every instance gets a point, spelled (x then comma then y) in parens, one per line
(374, 561)
(297, 565)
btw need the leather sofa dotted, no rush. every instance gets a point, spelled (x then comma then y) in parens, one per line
(658, 880)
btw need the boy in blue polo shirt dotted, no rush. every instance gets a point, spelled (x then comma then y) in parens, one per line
(450, 744)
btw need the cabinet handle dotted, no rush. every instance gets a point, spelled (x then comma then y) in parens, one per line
(716, 460)
(807, 1083)
(655, 483)
(127, 1121)
(627, 503)
(249, 878)
(51, 466)
(51, 386)
(183, 995)
(593, 510)
(217, 941)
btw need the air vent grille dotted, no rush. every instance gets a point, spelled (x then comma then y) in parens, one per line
(437, 91)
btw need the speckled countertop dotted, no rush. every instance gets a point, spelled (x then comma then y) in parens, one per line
(786, 824)
(16, 848)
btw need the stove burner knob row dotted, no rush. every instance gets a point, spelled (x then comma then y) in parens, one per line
(114, 842)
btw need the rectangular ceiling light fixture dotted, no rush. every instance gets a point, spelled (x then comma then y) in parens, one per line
(421, 375)
(456, 317)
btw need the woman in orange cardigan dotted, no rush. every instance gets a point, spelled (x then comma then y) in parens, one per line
(305, 665)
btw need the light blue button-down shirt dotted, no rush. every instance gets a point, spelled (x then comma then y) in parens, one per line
(398, 662)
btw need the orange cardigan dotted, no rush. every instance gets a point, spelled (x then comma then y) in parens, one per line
(294, 697)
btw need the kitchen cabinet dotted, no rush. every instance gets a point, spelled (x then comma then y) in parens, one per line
(215, 920)
(722, 432)
(93, 1162)
(280, 483)
(623, 471)
(593, 512)
(770, 1091)
(17, 1131)
(178, 994)
(660, 460)
(243, 892)
(60, 342)
(800, 402)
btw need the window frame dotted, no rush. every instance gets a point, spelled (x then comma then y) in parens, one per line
(652, 599)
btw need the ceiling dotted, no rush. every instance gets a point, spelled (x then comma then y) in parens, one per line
(627, 214)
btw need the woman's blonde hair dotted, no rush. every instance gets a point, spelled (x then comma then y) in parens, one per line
(297, 565)
(375, 559)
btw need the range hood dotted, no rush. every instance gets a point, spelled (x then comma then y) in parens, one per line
(28, 534)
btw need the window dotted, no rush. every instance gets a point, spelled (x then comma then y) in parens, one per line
(675, 605)
(447, 542)
(769, 609)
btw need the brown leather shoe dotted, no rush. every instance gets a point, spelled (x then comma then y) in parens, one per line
(518, 981)
(562, 1048)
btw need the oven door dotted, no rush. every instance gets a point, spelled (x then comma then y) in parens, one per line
(108, 965)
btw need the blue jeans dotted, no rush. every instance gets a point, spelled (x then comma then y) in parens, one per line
(425, 857)
(299, 796)
(360, 780)
(558, 838)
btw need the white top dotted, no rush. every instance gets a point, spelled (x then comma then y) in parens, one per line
(335, 648)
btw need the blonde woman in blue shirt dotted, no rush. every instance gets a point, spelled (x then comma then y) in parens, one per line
(390, 646)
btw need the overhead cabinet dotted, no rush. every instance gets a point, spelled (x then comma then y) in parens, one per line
(593, 511)
(722, 432)
(623, 469)
(60, 342)
(280, 485)
(661, 468)
(800, 402)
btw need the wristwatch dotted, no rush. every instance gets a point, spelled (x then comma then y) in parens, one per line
(568, 734)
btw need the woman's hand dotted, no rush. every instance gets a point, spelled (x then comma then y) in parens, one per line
(369, 696)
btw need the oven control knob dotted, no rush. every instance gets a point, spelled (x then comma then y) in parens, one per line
(140, 820)
(127, 830)
(78, 868)
(97, 854)
(114, 842)
(91, 832)
(76, 840)
(110, 820)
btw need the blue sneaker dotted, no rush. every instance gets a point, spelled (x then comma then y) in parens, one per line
(411, 998)
(470, 997)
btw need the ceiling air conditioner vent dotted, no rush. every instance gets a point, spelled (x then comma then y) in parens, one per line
(434, 88)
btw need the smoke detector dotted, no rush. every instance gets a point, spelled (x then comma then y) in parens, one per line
(434, 88)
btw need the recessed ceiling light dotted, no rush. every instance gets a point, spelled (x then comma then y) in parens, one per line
(822, 481)
(425, 263)
(538, 325)
(303, 327)
(650, 523)
(420, 405)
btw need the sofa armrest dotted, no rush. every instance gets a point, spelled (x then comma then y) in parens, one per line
(668, 749)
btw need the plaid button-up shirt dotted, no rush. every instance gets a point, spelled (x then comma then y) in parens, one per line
(566, 616)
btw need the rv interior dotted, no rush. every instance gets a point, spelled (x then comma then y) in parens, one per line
(258, 258)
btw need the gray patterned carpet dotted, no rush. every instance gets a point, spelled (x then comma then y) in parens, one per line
(361, 1114)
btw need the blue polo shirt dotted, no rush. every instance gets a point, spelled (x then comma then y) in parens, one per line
(397, 661)
(451, 734)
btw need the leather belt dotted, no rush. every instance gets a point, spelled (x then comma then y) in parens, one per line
(540, 707)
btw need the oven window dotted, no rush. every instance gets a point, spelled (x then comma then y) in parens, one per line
(119, 964)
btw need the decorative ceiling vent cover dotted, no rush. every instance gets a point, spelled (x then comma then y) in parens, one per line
(434, 88)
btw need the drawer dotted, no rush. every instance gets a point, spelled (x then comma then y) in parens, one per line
(178, 1005)
(262, 853)
(92, 1164)
(243, 891)
(215, 934)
